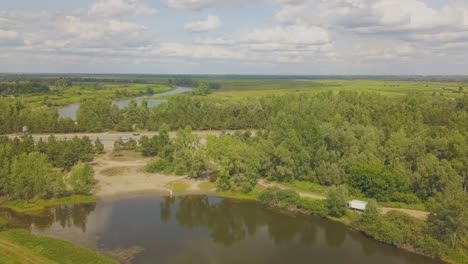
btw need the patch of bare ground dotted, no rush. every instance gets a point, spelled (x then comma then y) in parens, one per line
(123, 173)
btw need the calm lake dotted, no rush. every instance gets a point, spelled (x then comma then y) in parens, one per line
(202, 229)
(70, 110)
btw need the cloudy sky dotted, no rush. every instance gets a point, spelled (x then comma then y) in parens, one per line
(235, 36)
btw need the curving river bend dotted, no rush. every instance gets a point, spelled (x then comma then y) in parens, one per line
(203, 229)
(70, 110)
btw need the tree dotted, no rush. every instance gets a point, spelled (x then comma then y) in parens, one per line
(448, 220)
(26, 180)
(377, 181)
(81, 178)
(337, 201)
(99, 146)
(372, 212)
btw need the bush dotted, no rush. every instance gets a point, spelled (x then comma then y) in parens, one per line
(407, 198)
(275, 196)
(387, 232)
(81, 178)
(337, 201)
(158, 165)
(317, 207)
(3, 224)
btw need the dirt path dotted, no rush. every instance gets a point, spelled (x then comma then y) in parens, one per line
(125, 174)
(21, 254)
(415, 213)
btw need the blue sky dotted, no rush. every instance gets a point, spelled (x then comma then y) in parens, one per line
(235, 36)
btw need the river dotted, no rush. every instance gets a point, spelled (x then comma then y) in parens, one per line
(203, 229)
(70, 110)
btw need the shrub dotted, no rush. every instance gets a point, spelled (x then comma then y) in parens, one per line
(317, 207)
(407, 198)
(274, 196)
(3, 224)
(337, 201)
(81, 178)
(158, 165)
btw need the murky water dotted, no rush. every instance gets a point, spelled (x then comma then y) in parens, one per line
(201, 229)
(70, 110)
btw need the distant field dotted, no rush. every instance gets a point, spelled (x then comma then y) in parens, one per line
(249, 87)
(64, 96)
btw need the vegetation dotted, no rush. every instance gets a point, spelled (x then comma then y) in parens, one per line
(392, 141)
(337, 201)
(22, 88)
(81, 178)
(20, 246)
(178, 186)
(51, 159)
(22, 206)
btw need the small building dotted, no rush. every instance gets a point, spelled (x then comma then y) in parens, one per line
(357, 205)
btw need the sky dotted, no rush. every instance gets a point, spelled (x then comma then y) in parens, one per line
(289, 37)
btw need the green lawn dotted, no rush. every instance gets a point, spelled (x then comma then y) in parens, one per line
(20, 246)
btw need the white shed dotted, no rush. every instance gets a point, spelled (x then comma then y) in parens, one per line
(357, 205)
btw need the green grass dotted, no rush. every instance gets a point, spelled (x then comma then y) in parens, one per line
(178, 186)
(418, 206)
(64, 96)
(260, 87)
(115, 171)
(206, 186)
(20, 246)
(253, 195)
(305, 186)
(22, 206)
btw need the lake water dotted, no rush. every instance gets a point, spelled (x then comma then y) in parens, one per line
(202, 229)
(70, 110)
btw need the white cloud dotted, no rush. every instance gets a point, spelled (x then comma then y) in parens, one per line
(208, 24)
(8, 34)
(298, 35)
(197, 51)
(377, 16)
(108, 8)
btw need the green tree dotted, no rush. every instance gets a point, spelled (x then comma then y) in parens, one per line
(377, 181)
(337, 201)
(448, 220)
(82, 178)
(99, 146)
(29, 173)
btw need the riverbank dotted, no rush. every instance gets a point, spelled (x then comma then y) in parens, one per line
(120, 175)
(20, 246)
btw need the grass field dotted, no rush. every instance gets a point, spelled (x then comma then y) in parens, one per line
(260, 87)
(20, 246)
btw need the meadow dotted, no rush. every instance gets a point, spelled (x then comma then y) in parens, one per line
(261, 87)
(59, 96)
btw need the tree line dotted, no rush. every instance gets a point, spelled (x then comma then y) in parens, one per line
(16, 88)
(46, 168)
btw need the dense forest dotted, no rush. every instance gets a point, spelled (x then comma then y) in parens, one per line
(40, 169)
(410, 149)
(15, 88)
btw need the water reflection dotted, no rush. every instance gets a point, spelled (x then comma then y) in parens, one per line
(66, 216)
(201, 229)
(230, 222)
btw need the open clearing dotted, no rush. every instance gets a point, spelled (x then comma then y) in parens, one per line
(124, 174)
